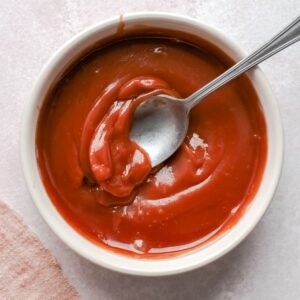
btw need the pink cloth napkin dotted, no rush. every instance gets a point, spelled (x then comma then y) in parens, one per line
(27, 269)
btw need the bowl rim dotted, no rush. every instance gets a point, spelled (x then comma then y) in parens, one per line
(138, 266)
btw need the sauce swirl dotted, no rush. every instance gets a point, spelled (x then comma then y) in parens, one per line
(102, 183)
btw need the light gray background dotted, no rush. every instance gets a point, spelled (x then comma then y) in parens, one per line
(267, 264)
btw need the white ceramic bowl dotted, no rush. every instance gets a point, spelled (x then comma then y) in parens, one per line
(190, 260)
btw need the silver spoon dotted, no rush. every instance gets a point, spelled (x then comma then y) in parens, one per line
(160, 123)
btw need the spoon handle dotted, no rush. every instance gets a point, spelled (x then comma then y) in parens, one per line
(285, 38)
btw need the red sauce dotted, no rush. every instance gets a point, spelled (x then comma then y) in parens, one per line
(102, 183)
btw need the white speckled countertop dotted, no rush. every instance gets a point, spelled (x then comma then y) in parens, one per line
(267, 264)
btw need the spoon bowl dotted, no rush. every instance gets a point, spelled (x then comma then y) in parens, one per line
(160, 118)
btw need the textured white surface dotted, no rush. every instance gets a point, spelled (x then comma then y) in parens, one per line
(267, 264)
